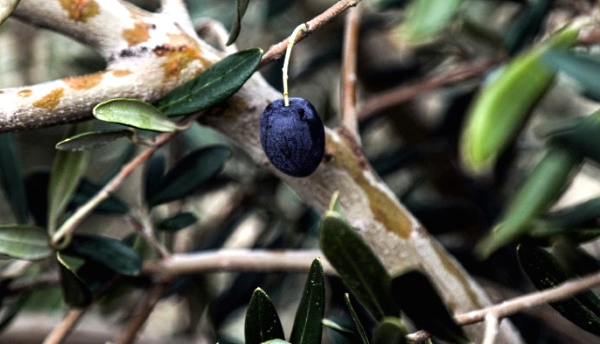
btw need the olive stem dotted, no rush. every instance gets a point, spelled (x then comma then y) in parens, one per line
(286, 62)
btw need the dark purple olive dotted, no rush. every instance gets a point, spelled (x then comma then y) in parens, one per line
(293, 136)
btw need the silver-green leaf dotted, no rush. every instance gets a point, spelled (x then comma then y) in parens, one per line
(135, 113)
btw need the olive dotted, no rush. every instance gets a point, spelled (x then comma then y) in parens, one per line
(293, 136)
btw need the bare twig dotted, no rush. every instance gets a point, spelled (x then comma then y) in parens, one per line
(60, 332)
(144, 228)
(492, 323)
(404, 93)
(517, 304)
(349, 71)
(142, 314)
(236, 260)
(277, 50)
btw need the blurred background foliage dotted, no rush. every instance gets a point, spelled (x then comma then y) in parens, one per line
(413, 145)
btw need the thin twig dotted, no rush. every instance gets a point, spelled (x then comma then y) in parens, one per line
(141, 315)
(82, 212)
(236, 260)
(143, 226)
(60, 332)
(492, 324)
(277, 50)
(351, 33)
(517, 304)
(404, 93)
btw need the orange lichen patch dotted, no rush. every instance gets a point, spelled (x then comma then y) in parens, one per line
(384, 209)
(138, 34)
(119, 73)
(177, 58)
(50, 100)
(80, 10)
(84, 82)
(24, 93)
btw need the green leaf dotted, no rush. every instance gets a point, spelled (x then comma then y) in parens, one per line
(67, 169)
(359, 327)
(153, 174)
(542, 187)
(545, 272)
(242, 5)
(358, 266)
(307, 327)
(189, 173)
(91, 140)
(109, 252)
(390, 330)
(13, 309)
(426, 18)
(135, 113)
(421, 302)
(6, 8)
(262, 322)
(584, 69)
(504, 104)
(11, 177)
(24, 242)
(527, 27)
(214, 85)
(177, 222)
(75, 292)
(580, 135)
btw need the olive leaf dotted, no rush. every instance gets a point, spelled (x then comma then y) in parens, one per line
(189, 173)
(92, 140)
(545, 272)
(135, 113)
(109, 252)
(75, 292)
(242, 5)
(262, 322)
(584, 69)
(426, 18)
(214, 85)
(307, 327)
(357, 265)
(24, 242)
(11, 178)
(421, 302)
(177, 222)
(67, 169)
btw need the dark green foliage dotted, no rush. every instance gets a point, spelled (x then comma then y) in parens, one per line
(109, 252)
(579, 135)
(420, 301)
(358, 266)
(522, 33)
(214, 85)
(189, 174)
(584, 69)
(242, 5)
(153, 174)
(545, 272)
(177, 222)
(307, 327)
(262, 322)
(11, 178)
(75, 292)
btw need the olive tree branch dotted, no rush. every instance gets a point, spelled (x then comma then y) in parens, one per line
(142, 313)
(62, 331)
(351, 33)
